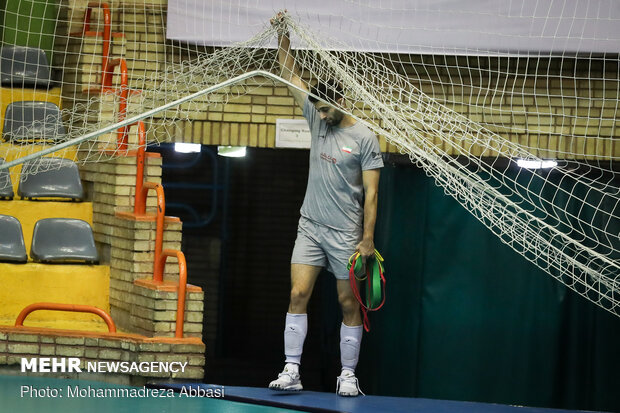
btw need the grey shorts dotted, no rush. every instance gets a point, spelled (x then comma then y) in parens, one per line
(322, 246)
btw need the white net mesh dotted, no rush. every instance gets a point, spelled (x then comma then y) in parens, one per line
(463, 113)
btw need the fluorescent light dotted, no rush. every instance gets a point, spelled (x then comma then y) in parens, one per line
(536, 164)
(231, 151)
(186, 147)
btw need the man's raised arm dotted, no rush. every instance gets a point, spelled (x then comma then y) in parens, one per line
(288, 68)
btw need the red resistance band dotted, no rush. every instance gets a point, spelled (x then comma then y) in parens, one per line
(353, 280)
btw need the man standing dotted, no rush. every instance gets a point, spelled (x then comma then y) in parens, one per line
(337, 216)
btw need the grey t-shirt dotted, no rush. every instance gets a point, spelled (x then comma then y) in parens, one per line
(335, 191)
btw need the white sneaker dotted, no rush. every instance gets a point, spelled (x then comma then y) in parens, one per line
(288, 380)
(347, 384)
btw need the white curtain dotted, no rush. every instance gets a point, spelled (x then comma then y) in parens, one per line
(477, 27)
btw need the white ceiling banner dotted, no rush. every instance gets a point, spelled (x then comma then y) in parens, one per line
(473, 27)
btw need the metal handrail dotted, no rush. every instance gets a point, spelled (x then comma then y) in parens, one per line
(159, 229)
(139, 205)
(122, 134)
(182, 287)
(107, 69)
(140, 196)
(107, 32)
(147, 114)
(161, 255)
(79, 308)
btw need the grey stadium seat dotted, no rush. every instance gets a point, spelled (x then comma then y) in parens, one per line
(63, 240)
(12, 247)
(50, 178)
(24, 67)
(33, 121)
(6, 186)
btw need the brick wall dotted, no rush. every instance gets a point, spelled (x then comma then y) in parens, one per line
(29, 343)
(129, 244)
(145, 313)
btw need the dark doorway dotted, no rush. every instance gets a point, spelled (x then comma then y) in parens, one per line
(241, 258)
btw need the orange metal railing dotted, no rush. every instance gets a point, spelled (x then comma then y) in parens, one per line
(19, 322)
(107, 69)
(122, 136)
(107, 32)
(161, 255)
(182, 287)
(139, 205)
(141, 187)
(159, 228)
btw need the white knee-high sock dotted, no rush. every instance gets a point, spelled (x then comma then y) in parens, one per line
(350, 341)
(295, 330)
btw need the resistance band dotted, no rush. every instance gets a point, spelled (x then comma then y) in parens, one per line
(375, 282)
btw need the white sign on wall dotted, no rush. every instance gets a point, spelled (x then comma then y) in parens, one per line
(292, 133)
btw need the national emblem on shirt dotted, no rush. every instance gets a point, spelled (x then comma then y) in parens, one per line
(328, 158)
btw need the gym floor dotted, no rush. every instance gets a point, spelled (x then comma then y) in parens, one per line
(52, 395)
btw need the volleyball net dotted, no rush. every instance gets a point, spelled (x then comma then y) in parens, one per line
(482, 121)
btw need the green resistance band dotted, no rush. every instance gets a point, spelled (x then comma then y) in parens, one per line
(373, 273)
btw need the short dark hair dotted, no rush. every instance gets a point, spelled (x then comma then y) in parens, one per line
(329, 91)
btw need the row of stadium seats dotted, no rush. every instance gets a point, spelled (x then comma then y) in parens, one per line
(33, 122)
(37, 236)
(29, 121)
(24, 67)
(54, 240)
(44, 178)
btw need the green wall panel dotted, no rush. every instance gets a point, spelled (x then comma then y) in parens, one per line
(467, 318)
(30, 23)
